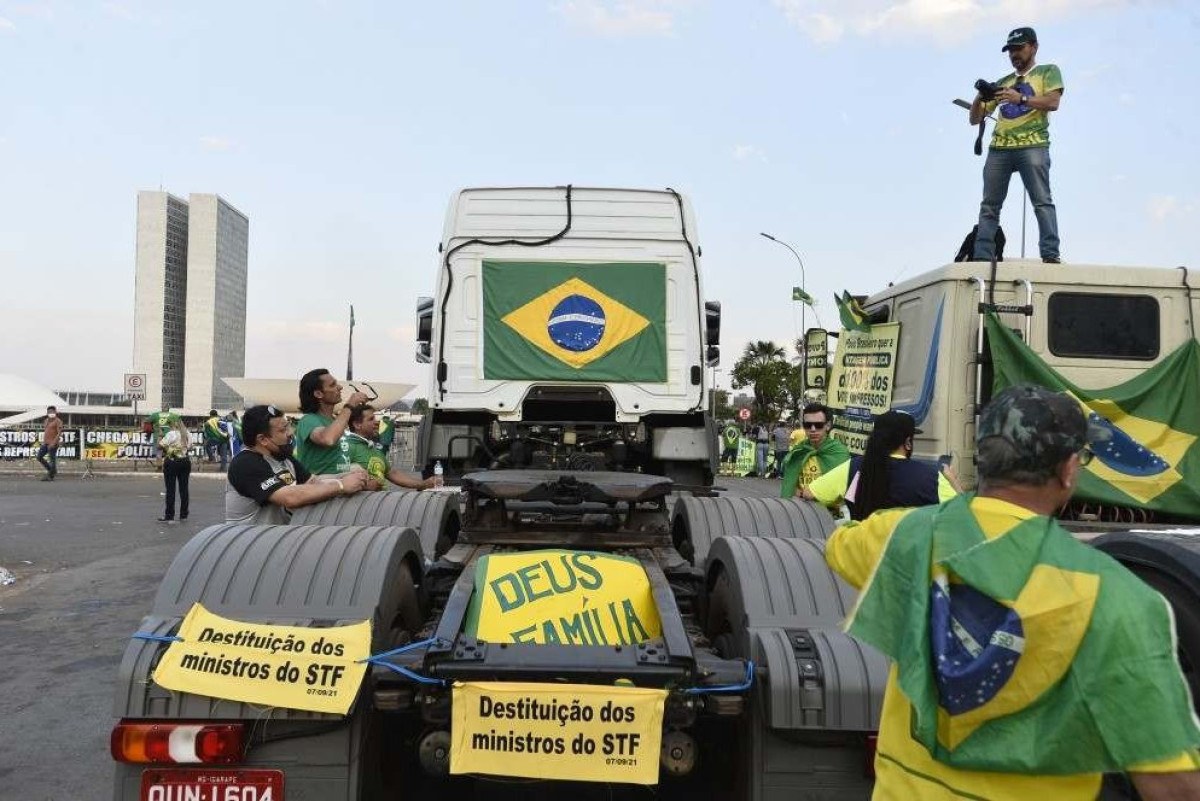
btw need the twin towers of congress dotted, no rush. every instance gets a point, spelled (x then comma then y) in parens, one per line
(189, 327)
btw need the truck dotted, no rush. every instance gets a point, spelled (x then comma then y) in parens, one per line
(1119, 338)
(569, 330)
(580, 613)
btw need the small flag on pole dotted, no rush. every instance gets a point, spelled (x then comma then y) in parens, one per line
(802, 296)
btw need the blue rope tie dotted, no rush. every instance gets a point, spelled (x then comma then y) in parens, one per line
(727, 688)
(379, 659)
(141, 635)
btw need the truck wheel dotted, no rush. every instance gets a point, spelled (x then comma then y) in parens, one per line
(433, 514)
(381, 767)
(1170, 563)
(697, 522)
(293, 575)
(775, 601)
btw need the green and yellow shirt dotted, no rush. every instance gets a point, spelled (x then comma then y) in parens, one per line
(1018, 125)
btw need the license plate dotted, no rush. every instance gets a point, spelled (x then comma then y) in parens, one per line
(212, 785)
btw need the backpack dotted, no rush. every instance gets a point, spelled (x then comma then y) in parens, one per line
(967, 251)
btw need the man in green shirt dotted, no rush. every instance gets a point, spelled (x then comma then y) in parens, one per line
(361, 448)
(319, 433)
(1020, 143)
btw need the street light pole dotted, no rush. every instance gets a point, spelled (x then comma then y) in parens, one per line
(800, 261)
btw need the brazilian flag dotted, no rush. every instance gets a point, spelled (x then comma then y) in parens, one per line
(851, 312)
(1150, 458)
(575, 322)
(1025, 650)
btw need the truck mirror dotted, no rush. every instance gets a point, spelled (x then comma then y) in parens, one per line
(816, 358)
(712, 324)
(712, 356)
(424, 353)
(424, 325)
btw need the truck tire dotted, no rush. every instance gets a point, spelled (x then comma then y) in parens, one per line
(697, 522)
(775, 601)
(1170, 563)
(290, 575)
(433, 514)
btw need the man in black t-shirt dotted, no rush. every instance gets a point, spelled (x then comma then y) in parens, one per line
(266, 483)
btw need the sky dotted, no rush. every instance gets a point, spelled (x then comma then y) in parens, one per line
(342, 128)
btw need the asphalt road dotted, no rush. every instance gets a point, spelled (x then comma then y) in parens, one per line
(88, 557)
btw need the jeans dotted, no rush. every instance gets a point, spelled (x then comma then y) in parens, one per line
(760, 459)
(1033, 163)
(223, 452)
(177, 471)
(52, 465)
(779, 457)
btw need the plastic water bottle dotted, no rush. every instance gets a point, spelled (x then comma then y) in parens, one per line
(438, 482)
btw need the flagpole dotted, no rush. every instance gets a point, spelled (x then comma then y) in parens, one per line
(350, 349)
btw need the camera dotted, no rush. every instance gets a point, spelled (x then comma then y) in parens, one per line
(987, 90)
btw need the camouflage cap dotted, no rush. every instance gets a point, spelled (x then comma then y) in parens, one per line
(1043, 427)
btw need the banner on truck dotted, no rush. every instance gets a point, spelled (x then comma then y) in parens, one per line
(577, 732)
(296, 667)
(562, 598)
(860, 386)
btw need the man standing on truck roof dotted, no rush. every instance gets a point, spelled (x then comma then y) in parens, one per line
(1025, 663)
(265, 483)
(1020, 143)
(319, 444)
(816, 454)
(885, 476)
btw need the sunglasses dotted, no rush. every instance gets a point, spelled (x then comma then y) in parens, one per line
(369, 392)
(1085, 457)
(811, 426)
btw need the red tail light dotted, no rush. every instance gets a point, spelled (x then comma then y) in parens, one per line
(178, 742)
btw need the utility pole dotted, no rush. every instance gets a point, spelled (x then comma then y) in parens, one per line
(350, 350)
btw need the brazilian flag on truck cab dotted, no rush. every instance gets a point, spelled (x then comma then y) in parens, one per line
(1150, 458)
(575, 322)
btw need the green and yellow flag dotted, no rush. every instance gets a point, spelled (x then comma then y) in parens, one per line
(851, 312)
(1150, 458)
(1027, 651)
(581, 322)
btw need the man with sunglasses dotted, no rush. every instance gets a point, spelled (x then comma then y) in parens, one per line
(815, 455)
(265, 483)
(319, 445)
(1025, 663)
(1020, 143)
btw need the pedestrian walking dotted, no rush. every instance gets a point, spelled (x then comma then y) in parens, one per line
(51, 434)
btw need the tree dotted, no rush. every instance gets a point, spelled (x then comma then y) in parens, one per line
(420, 406)
(764, 367)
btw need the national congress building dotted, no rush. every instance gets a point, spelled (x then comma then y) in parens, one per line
(190, 300)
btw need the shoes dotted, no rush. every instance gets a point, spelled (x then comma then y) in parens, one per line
(1052, 260)
(182, 518)
(166, 520)
(47, 478)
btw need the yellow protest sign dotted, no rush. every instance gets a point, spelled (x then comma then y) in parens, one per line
(860, 385)
(580, 732)
(287, 666)
(562, 598)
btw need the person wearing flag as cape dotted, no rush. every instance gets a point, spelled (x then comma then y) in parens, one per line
(1025, 663)
(813, 456)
